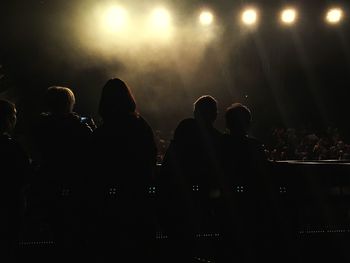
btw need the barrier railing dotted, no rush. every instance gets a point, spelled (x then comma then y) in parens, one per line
(311, 200)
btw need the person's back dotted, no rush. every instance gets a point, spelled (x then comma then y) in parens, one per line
(193, 155)
(245, 186)
(14, 167)
(61, 140)
(125, 152)
(61, 137)
(57, 193)
(14, 161)
(124, 142)
(243, 160)
(123, 164)
(194, 152)
(189, 175)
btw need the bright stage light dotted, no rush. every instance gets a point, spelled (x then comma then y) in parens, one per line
(288, 16)
(249, 16)
(206, 18)
(334, 15)
(160, 18)
(115, 18)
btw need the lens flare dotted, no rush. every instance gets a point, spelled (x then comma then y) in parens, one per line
(249, 17)
(160, 18)
(115, 18)
(289, 16)
(334, 15)
(206, 18)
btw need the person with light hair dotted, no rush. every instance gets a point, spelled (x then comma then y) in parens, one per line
(62, 139)
(59, 100)
(61, 131)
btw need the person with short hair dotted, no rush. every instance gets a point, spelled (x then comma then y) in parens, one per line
(238, 119)
(189, 176)
(245, 183)
(59, 100)
(62, 139)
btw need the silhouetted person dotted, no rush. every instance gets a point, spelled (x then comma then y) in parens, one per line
(14, 164)
(125, 158)
(62, 138)
(189, 175)
(62, 133)
(244, 184)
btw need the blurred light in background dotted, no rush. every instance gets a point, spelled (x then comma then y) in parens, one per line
(334, 15)
(289, 16)
(249, 16)
(206, 18)
(160, 18)
(115, 19)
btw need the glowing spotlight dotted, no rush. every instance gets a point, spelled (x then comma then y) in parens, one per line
(288, 16)
(115, 18)
(160, 18)
(334, 15)
(249, 16)
(206, 18)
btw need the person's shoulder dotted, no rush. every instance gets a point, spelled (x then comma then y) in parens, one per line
(45, 117)
(188, 122)
(186, 128)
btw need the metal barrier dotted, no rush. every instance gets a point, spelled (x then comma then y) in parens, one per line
(311, 206)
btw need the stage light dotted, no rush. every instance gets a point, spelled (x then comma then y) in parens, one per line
(334, 15)
(206, 18)
(115, 18)
(249, 16)
(288, 16)
(160, 18)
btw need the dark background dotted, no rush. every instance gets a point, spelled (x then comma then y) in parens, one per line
(293, 77)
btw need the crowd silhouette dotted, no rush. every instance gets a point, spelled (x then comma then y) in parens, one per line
(102, 195)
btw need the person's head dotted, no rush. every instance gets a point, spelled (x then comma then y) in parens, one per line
(205, 109)
(116, 99)
(238, 118)
(7, 116)
(59, 100)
